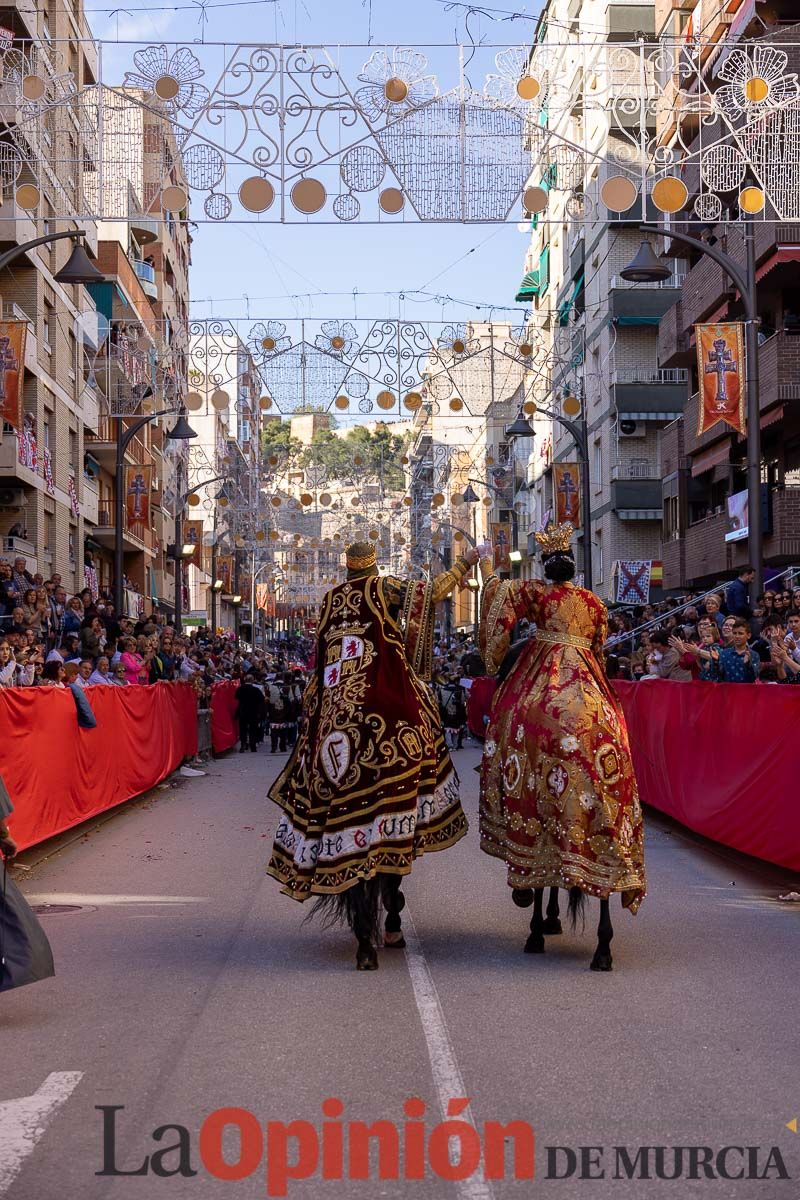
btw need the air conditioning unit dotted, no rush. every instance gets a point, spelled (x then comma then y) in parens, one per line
(12, 498)
(632, 429)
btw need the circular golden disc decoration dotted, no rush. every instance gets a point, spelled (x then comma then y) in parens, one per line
(489, 460)
(437, 499)
(260, 536)
(194, 401)
(273, 535)
(342, 402)
(407, 501)
(571, 406)
(535, 199)
(265, 402)
(391, 200)
(357, 460)
(220, 399)
(174, 198)
(308, 196)
(395, 90)
(619, 193)
(529, 408)
(28, 196)
(337, 342)
(528, 88)
(194, 499)
(487, 500)
(275, 501)
(256, 194)
(458, 536)
(273, 460)
(436, 538)
(400, 540)
(325, 499)
(167, 87)
(227, 460)
(385, 399)
(670, 195)
(337, 537)
(751, 200)
(458, 346)
(413, 401)
(526, 349)
(756, 89)
(457, 498)
(268, 343)
(33, 87)
(306, 498)
(456, 404)
(374, 534)
(239, 541)
(405, 460)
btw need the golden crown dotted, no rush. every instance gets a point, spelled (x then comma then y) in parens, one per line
(555, 539)
(361, 562)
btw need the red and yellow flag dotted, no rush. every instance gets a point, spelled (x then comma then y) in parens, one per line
(720, 369)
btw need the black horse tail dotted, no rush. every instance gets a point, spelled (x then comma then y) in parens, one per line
(358, 908)
(576, 907)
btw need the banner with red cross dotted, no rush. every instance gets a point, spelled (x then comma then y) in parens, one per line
(633, 582)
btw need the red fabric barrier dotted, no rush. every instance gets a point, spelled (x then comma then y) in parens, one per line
(224, 724)
(58, 774)
(721, 758)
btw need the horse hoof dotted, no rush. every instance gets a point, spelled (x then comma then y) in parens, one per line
(534, 944)
(601, 962)
(552, 925)
(522, 897)
(366, 958)
(394, 941)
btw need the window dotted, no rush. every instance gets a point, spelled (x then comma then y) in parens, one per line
(48, 327)
(671, 527)
(597, 465)
(73, 449)
(597, 556)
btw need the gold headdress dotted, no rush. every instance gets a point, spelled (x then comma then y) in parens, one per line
(360, 557)
(555, 539)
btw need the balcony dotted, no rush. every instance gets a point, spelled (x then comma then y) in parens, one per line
(673, 338)
(15, 547)
(90, 500)
(643, 304)
(13, 468)
(708, 554)
(132, 543)
(650, 393)
(636, 490)
(146, 274)
(103, 445)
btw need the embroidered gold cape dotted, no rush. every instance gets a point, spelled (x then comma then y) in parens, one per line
(370, 784)
(559, 802)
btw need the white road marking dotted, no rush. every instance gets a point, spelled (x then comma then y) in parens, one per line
(88, 898)
(24, 1121)
(446, 1072)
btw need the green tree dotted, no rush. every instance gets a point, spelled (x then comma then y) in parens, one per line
(276, 438)
(380, 453)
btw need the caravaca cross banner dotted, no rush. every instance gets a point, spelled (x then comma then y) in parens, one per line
(501, 540)
(567, 493)
(720, 368)
(12, 361)
(225, 572)
(138, 481)
(193, 536)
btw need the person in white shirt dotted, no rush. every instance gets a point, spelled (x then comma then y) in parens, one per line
(101, 674)
(84, 672)
(792, 639)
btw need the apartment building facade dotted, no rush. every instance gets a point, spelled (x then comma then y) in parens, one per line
(598, 336)
(49, 152)
(701, 474)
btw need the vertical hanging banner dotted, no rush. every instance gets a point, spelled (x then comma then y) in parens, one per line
(12, 361)
(193, 536)
(265, 599)
(567, 493)
(501, 540)
(225, 572)
(137, 494)
(720, 369)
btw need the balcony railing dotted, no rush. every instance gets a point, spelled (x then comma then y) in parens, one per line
(636, 468)
(674, 281)
(145, 271)
(654, 375)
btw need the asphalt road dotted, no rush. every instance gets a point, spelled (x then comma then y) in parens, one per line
(186, 983)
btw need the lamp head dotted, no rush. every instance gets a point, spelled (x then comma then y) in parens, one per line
(646, 267)
(182, 430)
(79, 268)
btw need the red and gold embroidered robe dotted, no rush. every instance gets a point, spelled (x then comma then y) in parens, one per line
(559, 802)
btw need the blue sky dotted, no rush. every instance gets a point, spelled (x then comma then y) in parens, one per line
(275, 265)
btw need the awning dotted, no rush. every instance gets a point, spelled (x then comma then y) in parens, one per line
(529, 288)
(769, 418)
(720, 452)
(544, 270)
(565, 308)
(637, 321)
(783, 255)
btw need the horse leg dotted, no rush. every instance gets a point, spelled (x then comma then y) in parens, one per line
(535, 942)
(552, 923)
(394, 902)
(363, 900)
(602, 956)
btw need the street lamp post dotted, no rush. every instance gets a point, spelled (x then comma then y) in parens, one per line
(78, 268)
(646, 268)
(179, 507)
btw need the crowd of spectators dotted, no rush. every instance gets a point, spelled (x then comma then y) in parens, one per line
(724, 637)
